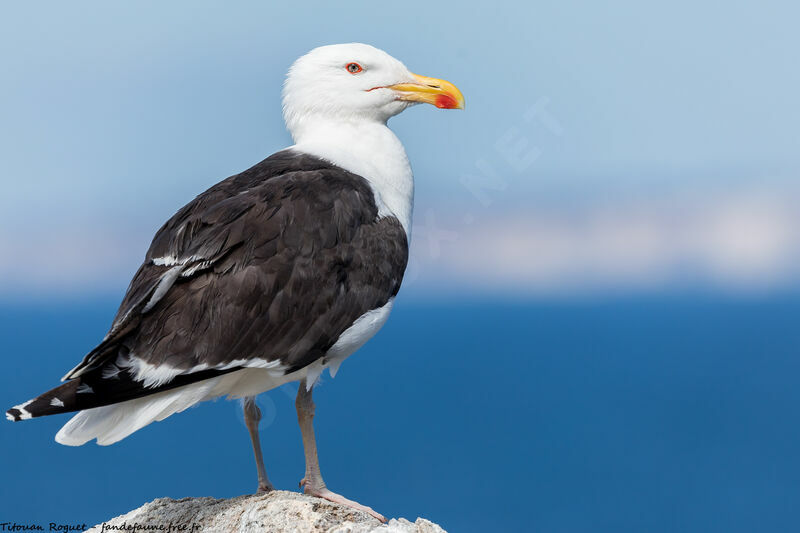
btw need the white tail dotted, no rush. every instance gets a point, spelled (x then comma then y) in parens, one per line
(112, 423)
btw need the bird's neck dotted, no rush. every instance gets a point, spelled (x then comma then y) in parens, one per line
(369, 149)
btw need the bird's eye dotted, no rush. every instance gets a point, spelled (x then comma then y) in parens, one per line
(353, 68)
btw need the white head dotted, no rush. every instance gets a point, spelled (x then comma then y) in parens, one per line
(357, 82)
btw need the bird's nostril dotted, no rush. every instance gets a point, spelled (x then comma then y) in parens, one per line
(434, 86)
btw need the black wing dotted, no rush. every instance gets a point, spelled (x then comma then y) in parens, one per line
(270, 265)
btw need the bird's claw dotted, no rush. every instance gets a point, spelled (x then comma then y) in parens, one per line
(331, 496)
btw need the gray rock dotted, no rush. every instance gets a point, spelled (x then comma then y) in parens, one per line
(278, 511)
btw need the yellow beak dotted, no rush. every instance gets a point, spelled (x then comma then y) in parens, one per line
(440, 93)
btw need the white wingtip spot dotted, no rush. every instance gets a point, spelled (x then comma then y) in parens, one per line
(23, 413)
(56, 402)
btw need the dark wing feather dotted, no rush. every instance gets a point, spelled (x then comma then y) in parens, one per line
(290, 281)
(271, 264)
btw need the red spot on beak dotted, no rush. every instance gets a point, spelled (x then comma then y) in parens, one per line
(444, 101)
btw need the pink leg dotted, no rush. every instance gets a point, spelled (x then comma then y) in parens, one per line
(252, 416)
(312, 483)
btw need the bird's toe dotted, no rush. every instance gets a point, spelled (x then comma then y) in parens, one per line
(338, 498)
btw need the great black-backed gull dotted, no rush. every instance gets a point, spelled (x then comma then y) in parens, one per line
(270, 276)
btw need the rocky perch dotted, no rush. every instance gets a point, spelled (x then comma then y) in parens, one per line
(277, 511)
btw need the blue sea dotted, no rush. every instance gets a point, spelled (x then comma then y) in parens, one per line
(641, 414)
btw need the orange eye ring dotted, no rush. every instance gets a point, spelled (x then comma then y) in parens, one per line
(353, 68)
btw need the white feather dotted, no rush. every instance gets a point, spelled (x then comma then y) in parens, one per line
(164, 284)
(84, 389)
(314, 371)
(156, 375)
(171, 260)
(112, 423)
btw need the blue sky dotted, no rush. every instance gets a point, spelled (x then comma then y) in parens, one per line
(115, 115)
